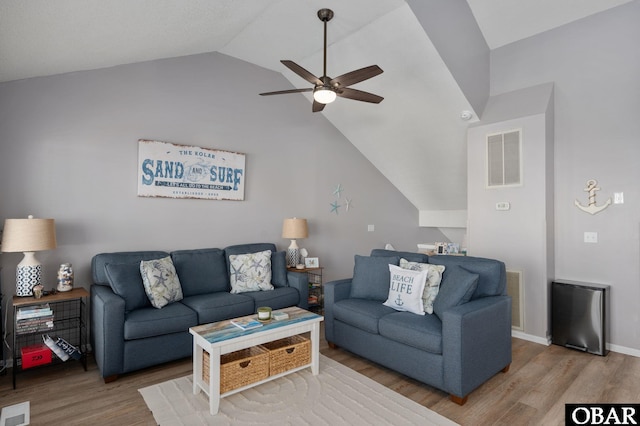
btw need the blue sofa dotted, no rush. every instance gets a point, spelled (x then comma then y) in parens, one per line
(129, 334)
(466, 341)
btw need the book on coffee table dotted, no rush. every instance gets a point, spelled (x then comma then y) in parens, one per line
(246, 323)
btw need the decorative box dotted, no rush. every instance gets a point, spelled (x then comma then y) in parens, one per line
(35, 355)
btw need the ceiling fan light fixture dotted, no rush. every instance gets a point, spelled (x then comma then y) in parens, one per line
(324, 95)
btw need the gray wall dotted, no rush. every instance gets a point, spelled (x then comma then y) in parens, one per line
(69, 151)
(595, 67)
(453, 30)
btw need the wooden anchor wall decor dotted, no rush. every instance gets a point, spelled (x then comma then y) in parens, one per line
(592, 208)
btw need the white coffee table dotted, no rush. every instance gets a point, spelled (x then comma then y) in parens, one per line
(222, 337)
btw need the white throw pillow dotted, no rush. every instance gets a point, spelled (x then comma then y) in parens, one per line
(160, 281)
(432, 286)
(250, 272)
(405, 290)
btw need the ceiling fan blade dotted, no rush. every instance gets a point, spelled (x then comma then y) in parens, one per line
(359, 95)
(356, 76)
(317, 106)
(301, 72)
(283, 92)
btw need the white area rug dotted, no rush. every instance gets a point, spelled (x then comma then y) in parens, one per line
(336, 396)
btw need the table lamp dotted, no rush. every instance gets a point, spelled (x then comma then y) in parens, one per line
(28, 236)
(294, 229)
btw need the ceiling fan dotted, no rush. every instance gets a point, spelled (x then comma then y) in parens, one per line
(326, 88)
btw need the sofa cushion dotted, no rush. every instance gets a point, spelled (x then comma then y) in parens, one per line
(456, 288)
(492, 276)
(410, 256)
(278, 298)
(125, 281)
(361, 313)
(405, 290)
(161, 283)
(250, 272)
(432, 285)
(371, 277)
(422, 332)
(201, 270)
(99, 261)
(150, 322)
(279, 269)
(219, 306)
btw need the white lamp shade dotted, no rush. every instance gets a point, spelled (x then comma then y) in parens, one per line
(295, 228)
(23, 235)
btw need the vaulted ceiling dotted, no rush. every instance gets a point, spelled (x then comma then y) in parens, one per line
(415, 137)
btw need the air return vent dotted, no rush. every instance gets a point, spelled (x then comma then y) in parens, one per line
(515, 290)
(504, 159)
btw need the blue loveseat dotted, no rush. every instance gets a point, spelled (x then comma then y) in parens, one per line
(129, 334)
(466, 340)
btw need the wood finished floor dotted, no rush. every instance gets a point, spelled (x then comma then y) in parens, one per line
(541, 380)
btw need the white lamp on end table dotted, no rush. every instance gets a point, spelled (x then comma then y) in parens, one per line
(28, 236)
(294, 229)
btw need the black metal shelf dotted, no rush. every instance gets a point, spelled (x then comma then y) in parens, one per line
(69, 323)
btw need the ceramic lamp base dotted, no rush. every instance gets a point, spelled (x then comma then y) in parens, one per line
(27, 277)
(292, 256)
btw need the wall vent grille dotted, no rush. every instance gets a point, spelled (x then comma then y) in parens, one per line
(504, 159)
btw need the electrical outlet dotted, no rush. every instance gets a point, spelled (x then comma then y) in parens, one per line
(503, 206)
(590, 237)
(371, 228)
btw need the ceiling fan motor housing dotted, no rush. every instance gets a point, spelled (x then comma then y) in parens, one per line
(325, 15)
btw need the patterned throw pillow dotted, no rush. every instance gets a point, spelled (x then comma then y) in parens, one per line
(432, 286)
(250, 272)
(160, 281)
(405, 290)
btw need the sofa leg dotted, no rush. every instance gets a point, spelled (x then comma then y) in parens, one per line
(506, 369)
(111, 378)
(332, 345)
(458, 400)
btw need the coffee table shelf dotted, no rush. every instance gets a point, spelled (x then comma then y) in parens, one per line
(223, 337)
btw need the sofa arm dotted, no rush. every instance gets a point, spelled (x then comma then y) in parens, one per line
(107, 329)
(476, 343)
(300, 281)
(334, 291)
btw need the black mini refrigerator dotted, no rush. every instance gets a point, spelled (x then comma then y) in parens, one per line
(579, 315)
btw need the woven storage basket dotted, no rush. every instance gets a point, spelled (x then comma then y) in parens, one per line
(288, 353)
(240, 368)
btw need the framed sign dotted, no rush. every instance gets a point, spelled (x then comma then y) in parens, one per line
(182, 171)
(311, 262)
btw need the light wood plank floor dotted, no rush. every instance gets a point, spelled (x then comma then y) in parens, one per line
(541, 380)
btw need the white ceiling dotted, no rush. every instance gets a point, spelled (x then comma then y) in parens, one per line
(418, 145)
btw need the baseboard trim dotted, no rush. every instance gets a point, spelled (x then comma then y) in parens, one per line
(530, 337)
(547, 341)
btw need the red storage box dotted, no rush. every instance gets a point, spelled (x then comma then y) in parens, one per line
(35, 355)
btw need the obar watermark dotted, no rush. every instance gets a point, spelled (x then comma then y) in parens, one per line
(602, 414)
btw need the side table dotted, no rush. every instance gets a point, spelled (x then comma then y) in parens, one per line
(69, 323)
(316, 288)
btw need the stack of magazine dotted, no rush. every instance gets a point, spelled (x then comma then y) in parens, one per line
(34, 319)
(63, 349)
